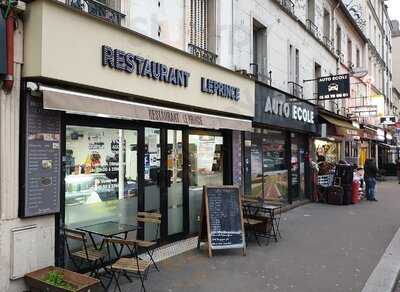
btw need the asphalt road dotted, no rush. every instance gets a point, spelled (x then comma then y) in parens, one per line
(324, 248)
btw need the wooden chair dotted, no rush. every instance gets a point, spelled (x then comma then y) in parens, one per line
(85, 255)
(126, 265)
(148, 246)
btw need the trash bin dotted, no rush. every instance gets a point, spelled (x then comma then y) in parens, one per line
(356, 198)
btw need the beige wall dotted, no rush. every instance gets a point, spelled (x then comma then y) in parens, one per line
(33, 251)
(63, 44)
(396, 61)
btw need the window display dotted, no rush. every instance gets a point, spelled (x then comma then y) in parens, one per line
(100, 175)
(205, 168)
(269, 172)
(327, 151)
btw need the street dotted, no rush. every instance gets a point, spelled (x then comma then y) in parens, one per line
(324, 248)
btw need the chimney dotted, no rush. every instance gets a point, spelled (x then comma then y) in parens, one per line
(396, 27)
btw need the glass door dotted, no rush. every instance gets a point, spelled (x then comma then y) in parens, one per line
(175, 182)
(152, 178)
(163, 181)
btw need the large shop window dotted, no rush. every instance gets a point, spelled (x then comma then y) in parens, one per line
(269, 173)
(100, 176)
(205, 168)
(327, 151)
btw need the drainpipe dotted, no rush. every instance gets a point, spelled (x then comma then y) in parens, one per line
(233, 35)
(9, 79)
(333, 32)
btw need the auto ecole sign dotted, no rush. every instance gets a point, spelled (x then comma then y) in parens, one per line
(334, 87)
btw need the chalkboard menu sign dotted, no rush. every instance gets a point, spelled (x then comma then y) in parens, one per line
(41, 158)
(221, 220)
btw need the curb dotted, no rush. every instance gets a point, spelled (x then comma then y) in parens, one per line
(385, 274)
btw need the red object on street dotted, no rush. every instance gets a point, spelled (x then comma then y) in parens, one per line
(9, 79)
(356, 198)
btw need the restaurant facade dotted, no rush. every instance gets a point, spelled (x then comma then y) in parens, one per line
(127, 125)
(277, 152)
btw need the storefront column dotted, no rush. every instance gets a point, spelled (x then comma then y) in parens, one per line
(288, 156)
(342, 150)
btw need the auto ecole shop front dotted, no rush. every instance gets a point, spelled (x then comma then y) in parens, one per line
(126, 125)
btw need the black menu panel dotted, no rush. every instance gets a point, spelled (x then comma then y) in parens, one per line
(41, 159)
(225, 217)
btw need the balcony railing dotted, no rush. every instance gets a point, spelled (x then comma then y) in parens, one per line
(340, 55)
(98, 9)
(295, 89)
(312, 28)
(288, 5)
(202, 54)
(258, 75)
(328, 43)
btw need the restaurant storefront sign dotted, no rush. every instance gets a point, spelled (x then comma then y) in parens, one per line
(124, 62)
(275, 108)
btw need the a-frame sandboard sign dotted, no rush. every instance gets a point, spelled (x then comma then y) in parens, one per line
(221, 220)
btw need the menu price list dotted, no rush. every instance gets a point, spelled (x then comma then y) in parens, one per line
(226, 239)
(42, 159)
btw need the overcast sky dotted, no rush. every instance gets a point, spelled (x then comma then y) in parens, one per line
(394, 9)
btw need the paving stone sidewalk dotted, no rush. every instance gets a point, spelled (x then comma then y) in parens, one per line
(324, 248)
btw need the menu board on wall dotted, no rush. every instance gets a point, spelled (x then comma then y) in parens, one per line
(221, 219)
(40, 190)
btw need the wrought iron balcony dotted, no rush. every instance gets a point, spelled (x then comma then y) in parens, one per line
(328, 42)
(202, 53)
(295, 89)
(340, 55)
(311, 26)
(98, 9)
(288, 5)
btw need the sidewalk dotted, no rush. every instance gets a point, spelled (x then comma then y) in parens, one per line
(324, 248)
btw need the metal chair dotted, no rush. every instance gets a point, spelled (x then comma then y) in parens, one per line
(84, 255)
(252, 225)
(148, 246)
(126, 265)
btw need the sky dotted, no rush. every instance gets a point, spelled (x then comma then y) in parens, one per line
(394, 9)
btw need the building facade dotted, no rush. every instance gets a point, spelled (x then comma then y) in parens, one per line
(140, 103)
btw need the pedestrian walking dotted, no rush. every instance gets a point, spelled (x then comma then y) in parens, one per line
(370, 174)
(398, 169)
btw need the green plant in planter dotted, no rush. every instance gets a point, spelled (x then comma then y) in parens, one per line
(56, 279)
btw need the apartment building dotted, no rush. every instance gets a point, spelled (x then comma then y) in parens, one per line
(396, 57)
(168, 79)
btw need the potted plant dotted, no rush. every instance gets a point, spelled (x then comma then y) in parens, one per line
(54, 279)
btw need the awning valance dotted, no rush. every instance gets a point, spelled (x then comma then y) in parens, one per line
(338, 122)
(94, 105)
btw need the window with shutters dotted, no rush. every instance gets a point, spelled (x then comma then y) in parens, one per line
(202, 29)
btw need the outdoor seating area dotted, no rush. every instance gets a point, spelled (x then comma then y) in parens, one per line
(107, 252)
(261, 220)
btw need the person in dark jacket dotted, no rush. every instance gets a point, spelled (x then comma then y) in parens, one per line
(370, 174)
(398, 169)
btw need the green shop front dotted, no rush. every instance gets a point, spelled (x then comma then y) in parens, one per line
(127, 125)
(277, 151)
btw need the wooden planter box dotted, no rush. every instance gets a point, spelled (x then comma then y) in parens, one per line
(82, 283)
